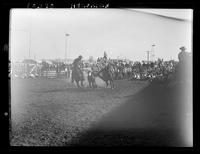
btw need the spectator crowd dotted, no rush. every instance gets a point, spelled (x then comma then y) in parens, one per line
(122, 69)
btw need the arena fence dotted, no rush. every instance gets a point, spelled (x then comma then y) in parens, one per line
(23, 70)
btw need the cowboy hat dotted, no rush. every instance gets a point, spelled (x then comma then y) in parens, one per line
(182, 48)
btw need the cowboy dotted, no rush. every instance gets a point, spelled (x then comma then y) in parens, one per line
(182, 55)
(77, 62)
(76, 65)
(104, 60)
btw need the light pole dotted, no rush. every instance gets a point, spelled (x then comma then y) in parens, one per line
(152, 51)
(148, 53)
(66, 47)
(29, 45)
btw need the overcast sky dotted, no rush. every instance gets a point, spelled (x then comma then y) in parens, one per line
(174, 13)
(120, 32)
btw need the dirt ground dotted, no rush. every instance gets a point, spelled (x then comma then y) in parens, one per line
(54, 112)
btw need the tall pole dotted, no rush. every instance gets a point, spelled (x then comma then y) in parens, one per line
(152, 51)
(66, 47)
(148, 53)
(29, 55)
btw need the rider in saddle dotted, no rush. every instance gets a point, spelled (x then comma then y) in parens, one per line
(104, 61)
(77, 62)
(76, 65)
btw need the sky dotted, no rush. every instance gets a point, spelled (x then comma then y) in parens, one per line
(122, 33)
(184, 14)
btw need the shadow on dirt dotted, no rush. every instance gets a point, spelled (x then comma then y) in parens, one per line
(134, 138)
(149, 118)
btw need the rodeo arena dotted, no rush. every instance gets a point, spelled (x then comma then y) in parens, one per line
(118, 103)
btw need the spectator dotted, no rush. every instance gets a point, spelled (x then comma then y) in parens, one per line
(182, 55)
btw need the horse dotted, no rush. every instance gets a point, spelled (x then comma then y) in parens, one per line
(106, 74)
(77, 75)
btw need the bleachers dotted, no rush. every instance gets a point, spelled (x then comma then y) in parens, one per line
(22, 70)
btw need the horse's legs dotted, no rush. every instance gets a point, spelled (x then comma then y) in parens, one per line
(72, 80)
(113, 86)
(77, 83)
(93, 84)
(106, 84)
(81, 83)
(110, 84)
(72, 77)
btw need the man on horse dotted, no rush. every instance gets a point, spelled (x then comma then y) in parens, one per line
(77, 73)
(76, 66)
(77, 62)
(106, 71)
